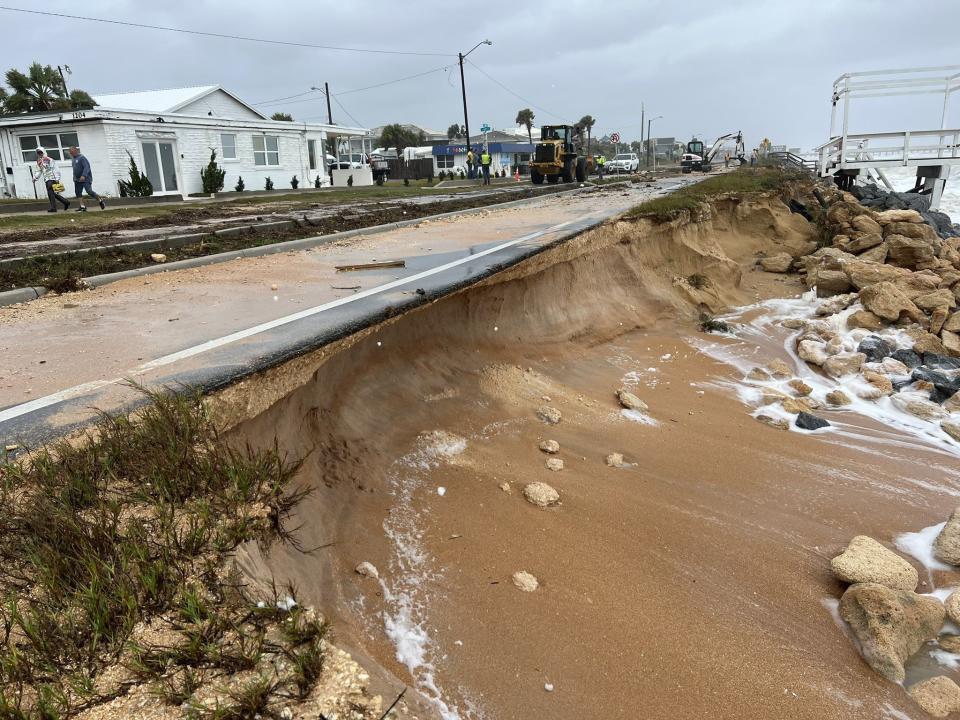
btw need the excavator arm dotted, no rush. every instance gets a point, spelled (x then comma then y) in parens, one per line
(722, 141)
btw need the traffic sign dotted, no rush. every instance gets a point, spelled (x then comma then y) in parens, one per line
(484, 128)
(615, 138)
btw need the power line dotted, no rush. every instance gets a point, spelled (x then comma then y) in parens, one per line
(516, 95)
(288, 97)
(391, 82)
(224, 36)
(340, 105)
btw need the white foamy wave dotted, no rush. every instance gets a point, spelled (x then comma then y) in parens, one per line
(920, 546)
(891, 713)
(406, 593)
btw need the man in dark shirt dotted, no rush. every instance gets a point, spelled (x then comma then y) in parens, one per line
(83, 179)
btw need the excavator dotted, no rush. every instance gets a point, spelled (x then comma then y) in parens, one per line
(698, 158)
(557, 156)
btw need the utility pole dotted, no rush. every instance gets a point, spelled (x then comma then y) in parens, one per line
(64, 79)
(651, 150)
(463, 88)
(326, 91)
(643, 113)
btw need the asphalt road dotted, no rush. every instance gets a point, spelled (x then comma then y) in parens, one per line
(67, 355)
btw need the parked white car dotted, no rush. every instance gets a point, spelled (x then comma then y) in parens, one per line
(624, 162)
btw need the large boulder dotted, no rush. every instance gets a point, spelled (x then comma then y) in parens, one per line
(890, 625)
(927, 343)
(918, 406)
(951, 342)
(876, 254)
(864, 242)
(952, 606)
(930, 301)
(835, 304)
(897, 216)
(911, 253)
(887, 301)
(867, 561)
(947, 545)
(779, 263)
(875, 348)
(907, 357)
(807, 421)
(864, 319)
(915, 231)
(915, 284)
(952, 323)
(863, 274)
(812, 351)
(845, 363)
(838, 398)
(866, 224)
(831, 282)
(939, 696)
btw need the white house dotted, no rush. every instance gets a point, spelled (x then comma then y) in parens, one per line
(169, 134)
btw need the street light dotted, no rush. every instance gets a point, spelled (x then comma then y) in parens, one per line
(463, 88)
(652, 149)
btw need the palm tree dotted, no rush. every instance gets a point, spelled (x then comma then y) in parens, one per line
(456, 131)
(285, 117)
(41, 88)
(525, 118)
(587, 122)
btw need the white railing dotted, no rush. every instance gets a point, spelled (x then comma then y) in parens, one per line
(891, 149)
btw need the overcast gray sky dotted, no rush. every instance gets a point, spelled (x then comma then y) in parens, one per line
(763, 66)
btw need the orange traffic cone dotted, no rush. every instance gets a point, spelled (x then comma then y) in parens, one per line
(517, 175)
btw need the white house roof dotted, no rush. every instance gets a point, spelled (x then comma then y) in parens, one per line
(162, 101)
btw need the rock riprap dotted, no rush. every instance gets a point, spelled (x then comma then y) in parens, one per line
(867, 561)
(938, 696)
(946, 547)
(890, 625)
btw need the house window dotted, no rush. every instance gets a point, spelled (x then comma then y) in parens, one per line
(266, 150)
(312, 153)
(444, 161)
(55, 145)
(228, 142)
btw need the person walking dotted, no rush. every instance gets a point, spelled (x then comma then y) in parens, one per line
(48, 172)
(601, 161)
(470, 159)
(485, 162)
(83, 179)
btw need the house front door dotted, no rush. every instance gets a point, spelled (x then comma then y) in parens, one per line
(160, 166)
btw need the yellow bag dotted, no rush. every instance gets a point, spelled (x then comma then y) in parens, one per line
(58, 187)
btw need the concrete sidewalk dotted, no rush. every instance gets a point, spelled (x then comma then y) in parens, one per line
(210, 326)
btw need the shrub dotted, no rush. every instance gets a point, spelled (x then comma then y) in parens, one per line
(268, 184)
(316, 183)
(294, 183)
(212, 175)
(139, 184)
(350, 181)
(239, 187)
(380, 179)
(406, 182)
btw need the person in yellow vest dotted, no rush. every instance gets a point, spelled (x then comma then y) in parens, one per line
(470, 163)
(601, 161)
(485, 162)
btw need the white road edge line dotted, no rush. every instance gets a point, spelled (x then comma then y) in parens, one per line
(40, 403)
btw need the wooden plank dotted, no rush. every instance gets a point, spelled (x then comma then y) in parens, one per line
(372, 265)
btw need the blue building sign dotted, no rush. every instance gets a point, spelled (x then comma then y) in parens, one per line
(494, 148)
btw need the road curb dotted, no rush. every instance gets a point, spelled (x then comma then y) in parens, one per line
(12, 297)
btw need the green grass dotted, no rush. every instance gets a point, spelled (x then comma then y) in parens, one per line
(738, 182)
(94, 218)
(130, 524)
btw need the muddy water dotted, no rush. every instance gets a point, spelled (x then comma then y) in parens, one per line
(693, 582)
